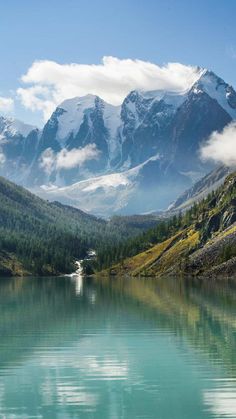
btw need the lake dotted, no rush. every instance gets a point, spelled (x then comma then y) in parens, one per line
(86, 348)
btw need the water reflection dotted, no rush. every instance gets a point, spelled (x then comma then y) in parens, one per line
(78, 281)
(222, 400)
(117, 349)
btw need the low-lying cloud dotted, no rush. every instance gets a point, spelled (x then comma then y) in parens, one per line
(76, 157)
(2, 158)
(49, 83)
(67, 159)
(6, 104)
(221, 146)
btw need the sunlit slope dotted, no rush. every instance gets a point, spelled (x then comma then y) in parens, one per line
(204, 244)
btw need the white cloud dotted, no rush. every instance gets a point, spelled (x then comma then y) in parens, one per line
(76, 157)
(36, 98)
(49, 83)
(47, 160)
(2, 158)
(221, 146)
(67, 159)
(6, 104)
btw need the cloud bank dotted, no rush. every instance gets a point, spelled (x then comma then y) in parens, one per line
(47, 83)
(65, 159)
(221, 146)
(6, 104)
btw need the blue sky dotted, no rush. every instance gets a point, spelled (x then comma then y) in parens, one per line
(199, 33)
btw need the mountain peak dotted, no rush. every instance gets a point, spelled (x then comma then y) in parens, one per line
(217, 89)
(209, 77)
(79, 102)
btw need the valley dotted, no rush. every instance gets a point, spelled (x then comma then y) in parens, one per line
(43, 238)
(128, 181)
(118, 209)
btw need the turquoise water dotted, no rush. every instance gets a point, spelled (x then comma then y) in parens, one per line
(117, 349)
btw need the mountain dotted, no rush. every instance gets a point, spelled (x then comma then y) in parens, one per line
(200, 189)
(18, 146)
(201, 242)
(140, 155)
(39, 237)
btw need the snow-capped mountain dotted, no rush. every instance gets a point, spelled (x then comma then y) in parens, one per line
(18, 145)
(139, 155)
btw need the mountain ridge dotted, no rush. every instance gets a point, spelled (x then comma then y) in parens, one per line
(169, 125)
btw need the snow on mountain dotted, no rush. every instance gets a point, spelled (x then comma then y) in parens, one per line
(173, 99)
(21, 128)
(105, 182)
(121, 192)
(102, 195)
(13, 127)
(112, 121)
(18, 145)
(217, 89)
(126, 174)
(73, 111)
(72, 114)
(129, 134)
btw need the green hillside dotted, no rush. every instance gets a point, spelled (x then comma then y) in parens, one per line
(200, 242)
(38, 237)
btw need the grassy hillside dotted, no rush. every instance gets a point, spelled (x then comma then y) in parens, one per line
(38, 237)
(200, 242)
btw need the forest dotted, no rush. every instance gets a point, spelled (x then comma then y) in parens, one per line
(43, 238)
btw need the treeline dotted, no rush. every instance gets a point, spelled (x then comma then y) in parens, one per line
(164, 229)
